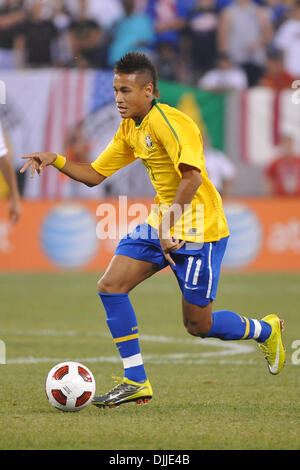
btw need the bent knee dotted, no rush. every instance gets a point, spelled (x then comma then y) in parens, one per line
(106, 286)
(199, 328)
(102, 287)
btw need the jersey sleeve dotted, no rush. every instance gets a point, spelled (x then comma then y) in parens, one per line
(181, 139)
(117, 155)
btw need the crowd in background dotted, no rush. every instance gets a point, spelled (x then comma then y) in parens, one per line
(217, 45)
(214, 44)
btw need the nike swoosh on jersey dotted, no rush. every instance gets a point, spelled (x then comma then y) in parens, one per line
(274, 368)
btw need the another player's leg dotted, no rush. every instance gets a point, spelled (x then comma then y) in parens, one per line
(122, 275)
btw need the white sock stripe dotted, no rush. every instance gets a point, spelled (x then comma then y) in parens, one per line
(132, 361)
(257, 329)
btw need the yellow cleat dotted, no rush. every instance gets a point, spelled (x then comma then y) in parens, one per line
(126, 391)
(272, 348)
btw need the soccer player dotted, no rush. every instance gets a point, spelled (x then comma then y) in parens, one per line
(170, 145)
(10, 179)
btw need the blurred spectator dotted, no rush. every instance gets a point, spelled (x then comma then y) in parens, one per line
(225, 77)
(39, 34)
(88, 40)
(169, 18)
(166, 61)
(277, 11)
(287, 40)
(62, 47)
(12, 18)
(77, 148)
(275, 76)
(244, 33)
(140, 5)
(105, 13)
(283, 173)
(220, 4)
(202, 27)
(220, 169)
(134, 32)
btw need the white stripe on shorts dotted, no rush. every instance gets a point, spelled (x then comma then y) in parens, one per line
(210, 273)
(257, 329)
(132, 361)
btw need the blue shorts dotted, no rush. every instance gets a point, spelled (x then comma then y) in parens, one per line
(197, 265)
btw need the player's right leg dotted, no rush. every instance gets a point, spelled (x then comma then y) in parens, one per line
(136, 259)
(121, 276)
(124, 273)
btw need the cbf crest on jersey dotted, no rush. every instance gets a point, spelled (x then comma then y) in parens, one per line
(149, 143)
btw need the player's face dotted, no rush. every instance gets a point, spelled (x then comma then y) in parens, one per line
(133, 96)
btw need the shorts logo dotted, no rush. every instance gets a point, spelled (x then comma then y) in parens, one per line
(190, 288)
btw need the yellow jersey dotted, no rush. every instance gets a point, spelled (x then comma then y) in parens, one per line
(164, 139)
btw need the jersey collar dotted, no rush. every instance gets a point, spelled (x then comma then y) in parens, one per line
(138, 123)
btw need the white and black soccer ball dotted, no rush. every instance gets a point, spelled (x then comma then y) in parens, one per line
(70, 386)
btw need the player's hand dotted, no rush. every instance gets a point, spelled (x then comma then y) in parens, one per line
(170, 245)
(37, 161)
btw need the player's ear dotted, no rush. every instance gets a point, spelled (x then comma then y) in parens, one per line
(149, 89)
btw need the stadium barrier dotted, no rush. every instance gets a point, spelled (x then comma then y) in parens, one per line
(55, 236)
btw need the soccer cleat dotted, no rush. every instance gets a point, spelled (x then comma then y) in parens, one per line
(272, 348)
(126, 391)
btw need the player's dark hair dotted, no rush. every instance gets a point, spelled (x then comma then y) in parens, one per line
(136, 62)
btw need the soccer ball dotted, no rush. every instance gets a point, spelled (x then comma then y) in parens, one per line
(70, 386)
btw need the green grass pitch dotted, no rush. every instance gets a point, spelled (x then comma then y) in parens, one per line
(208, 394)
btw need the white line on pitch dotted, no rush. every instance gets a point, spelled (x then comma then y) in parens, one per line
(149, 359)
(227, 347)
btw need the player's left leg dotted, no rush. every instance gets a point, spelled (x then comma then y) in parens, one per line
(197, 319)
(226, 325)
(198, 276)
(223, 324)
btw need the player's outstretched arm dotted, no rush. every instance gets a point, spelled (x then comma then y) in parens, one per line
(82, 172)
